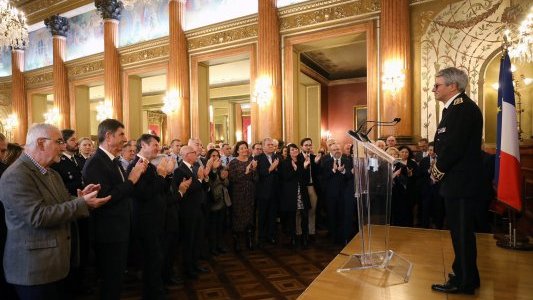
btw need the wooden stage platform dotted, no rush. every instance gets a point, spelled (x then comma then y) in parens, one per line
(505, 274)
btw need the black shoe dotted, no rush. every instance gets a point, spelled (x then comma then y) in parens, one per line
(175, 281)
(272, 241)
(222, 250)
(192, 275)
(201, 269)
(451, 288)
(451, 277)
(214, 252)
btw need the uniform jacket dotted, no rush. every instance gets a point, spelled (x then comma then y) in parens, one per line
(458, 148)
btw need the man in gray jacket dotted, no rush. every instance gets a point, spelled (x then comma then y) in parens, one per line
(39, 210)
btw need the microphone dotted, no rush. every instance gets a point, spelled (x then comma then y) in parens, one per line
(391, 123)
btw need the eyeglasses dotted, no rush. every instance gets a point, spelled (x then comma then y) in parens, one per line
(307, 145)
(58, 141)
(436, 85)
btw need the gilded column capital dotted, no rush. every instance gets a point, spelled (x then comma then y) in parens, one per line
(57, 25)
(109, 9)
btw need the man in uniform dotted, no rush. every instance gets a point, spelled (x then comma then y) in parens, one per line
(458, 168)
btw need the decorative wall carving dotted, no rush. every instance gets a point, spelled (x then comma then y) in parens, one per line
(463, 34)
(57, 25)
(223, 37)
(143, 55)
(324, 12)
(40, 78)
(85, 68)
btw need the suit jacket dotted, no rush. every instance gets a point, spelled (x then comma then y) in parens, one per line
(335, 183)
(314, 169)
(268, 182)
(192, 199)
(290, 179)
(149, 200)
(110, 222)
(458, 144)
(70, 173)
(38, 210)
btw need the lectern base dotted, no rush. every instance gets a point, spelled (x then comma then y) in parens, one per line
(387, 260)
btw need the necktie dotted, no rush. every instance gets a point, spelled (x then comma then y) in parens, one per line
(116, 161)
(73, 158)
(444, 112)
(227, 160)
(269, 159)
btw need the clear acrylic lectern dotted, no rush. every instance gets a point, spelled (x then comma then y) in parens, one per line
(373, 188)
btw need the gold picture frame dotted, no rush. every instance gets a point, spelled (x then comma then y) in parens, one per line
(359, 116)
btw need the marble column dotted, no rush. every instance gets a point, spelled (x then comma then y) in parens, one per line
(59, 26)
(395, 48)
(268, 80)
(179, 121)
(18, 95)
(111, 10)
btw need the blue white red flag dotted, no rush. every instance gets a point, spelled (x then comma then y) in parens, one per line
(508, 176)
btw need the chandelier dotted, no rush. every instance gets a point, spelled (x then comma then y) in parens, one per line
(52, 116)
(104, 110)
(521, 40)
(263, 91)
(171, 102)
(13, 28)
(129, 4)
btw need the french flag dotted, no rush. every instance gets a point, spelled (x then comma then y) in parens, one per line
(508, 177)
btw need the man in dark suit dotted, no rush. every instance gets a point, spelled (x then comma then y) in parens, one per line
(190, 210)
(149, 207)
(422, 149)
(459, 169)
(336, 172)
(432, 204)
(39, 211)
(110, 225)
(266, 191)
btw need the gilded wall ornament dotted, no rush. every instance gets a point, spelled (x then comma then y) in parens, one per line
(224, 37)
(42, 79)
(141, 55)
(85, 68)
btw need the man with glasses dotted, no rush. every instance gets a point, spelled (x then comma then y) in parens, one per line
(191, 215)
(39, 211)
(459, 170)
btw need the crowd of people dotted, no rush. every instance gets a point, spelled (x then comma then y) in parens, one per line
(138, 204)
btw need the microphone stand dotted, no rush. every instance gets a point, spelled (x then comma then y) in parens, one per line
(362, 135)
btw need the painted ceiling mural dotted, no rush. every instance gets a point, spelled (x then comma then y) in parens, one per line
(5, 62)
(464, 34)
(133, 24)
(85, 35)
(205, 12)
(39, 52)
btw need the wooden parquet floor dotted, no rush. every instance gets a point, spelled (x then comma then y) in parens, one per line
(273, 272)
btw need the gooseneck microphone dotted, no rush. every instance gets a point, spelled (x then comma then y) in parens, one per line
(363, 134)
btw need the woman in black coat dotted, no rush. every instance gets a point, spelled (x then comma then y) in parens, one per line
(295, 199)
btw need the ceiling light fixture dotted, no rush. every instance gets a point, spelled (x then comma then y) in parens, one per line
(13, 27)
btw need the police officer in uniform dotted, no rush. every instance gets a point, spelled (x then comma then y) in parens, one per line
(459, 169)
(69, 167)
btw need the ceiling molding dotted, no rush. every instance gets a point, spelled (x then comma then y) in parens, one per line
(38, 10)
(347, 81)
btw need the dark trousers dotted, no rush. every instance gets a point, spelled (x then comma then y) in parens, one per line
(432, 207)
(48, 291)
(216, 228)
(335, 217)
(191, 236)
(152, 251)
(290, 217)
(460, 213)
(267, 210)
(171, 250)
(111, 260)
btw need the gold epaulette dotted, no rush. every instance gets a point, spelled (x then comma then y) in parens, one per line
(436, 173)
(457, 101)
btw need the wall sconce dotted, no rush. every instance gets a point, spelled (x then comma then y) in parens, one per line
(171, 102)
(238, 135)
(263, 91)
(104, 110)
(52, 116)
(10, 123)
(393, 78)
